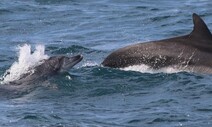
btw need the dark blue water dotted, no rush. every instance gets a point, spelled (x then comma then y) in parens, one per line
(96, 96)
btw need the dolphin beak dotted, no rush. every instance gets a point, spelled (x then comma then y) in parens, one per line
(69, 62)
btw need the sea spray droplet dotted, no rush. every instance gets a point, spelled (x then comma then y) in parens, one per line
(26, 60)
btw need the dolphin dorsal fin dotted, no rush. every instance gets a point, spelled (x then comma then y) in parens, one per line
(200, 28)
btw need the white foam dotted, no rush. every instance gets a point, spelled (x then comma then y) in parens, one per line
(147, 69)
(89, 64)
(26, 60)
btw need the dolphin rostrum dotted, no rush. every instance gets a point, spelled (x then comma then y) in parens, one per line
(192, 52)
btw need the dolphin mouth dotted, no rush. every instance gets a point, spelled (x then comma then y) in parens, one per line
(77, 58)
(69, 62)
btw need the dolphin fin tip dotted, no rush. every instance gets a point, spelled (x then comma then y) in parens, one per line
(195, 15)
(200, 28)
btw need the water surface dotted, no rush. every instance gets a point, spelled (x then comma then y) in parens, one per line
(93, 96)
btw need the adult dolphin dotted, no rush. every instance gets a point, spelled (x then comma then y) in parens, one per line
(192, 52)
(49, 67)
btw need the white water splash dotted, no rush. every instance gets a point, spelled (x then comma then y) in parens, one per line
(146, 69)
(26, 60)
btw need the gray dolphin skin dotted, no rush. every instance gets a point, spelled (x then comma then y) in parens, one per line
(49, 67)
(192, 52)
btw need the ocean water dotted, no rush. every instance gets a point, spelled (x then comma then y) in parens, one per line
(90, 95)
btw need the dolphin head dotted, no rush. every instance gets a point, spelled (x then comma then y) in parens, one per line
(68, 62)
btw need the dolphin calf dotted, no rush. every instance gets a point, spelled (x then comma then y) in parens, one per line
(48, 67)
(192, 52)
